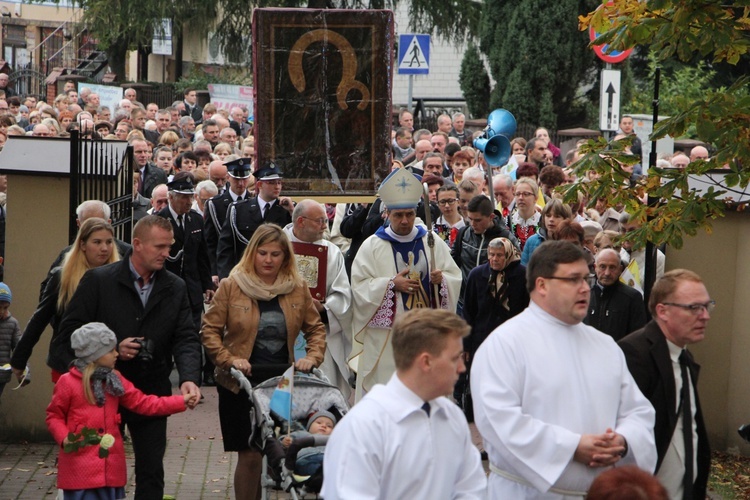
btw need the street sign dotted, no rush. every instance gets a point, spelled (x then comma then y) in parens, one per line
(162, 42)
(601, 50)
(413, 54)
(609, 100)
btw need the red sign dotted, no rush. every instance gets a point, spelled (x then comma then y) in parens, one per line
(614, 56)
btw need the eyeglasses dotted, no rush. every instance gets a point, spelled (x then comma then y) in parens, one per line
(590, 279)
(696, 309)
(448, 202)
(524, 195)
(320, 221)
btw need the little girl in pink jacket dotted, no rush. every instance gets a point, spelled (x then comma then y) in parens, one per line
(88, 396)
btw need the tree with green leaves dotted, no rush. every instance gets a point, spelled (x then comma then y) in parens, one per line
(475, 82)
(537, 57)
(681, 29)
(124, 25)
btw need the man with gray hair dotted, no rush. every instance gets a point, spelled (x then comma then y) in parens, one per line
(615, 308)
(459, 131)
(444, 124)
(306, 232)
(502, 188)
(204, 191)
(187, 127)
(86, 210)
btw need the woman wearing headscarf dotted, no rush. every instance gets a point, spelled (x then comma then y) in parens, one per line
(495, 292)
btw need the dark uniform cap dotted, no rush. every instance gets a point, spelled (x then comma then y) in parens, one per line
(182, 183)
(239, 168)
(269, 172)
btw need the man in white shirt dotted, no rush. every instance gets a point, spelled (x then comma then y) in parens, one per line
(553, 398)
(405, 439)
(658, 358)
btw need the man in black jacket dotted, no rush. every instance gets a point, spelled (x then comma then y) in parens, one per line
(217, 207)
(615, 308)
(243, 218)
(188, 257)
(151, 175)
(148, 309)
(191, 106)
(667, 375)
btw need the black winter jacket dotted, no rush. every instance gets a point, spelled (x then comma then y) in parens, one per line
(107, 294)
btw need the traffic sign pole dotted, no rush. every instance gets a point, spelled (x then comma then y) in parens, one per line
(409, 95)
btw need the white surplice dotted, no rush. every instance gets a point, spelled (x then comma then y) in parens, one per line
(375, 301)
(338, 303)
(538, 385)
(388, 448)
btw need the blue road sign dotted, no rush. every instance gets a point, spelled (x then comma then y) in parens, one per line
(413, 54)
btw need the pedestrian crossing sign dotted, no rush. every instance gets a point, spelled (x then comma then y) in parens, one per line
(413, 54)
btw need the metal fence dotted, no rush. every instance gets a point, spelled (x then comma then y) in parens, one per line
(163, 94)
(99, 172)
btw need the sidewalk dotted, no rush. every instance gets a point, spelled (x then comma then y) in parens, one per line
(195, 464)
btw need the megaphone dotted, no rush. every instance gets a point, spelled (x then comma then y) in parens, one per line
(501, 122)
(495, 142)
(496, 150)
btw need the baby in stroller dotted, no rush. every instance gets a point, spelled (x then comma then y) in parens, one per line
(309, 459)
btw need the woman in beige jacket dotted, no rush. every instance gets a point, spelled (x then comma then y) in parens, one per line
(254, 319)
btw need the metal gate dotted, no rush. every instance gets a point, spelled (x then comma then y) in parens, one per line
(28, 81)
(99, 171)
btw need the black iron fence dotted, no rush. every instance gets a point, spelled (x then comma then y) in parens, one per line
(99, 171)
(163, 94)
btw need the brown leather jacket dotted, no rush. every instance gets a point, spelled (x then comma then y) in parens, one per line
(231, 324)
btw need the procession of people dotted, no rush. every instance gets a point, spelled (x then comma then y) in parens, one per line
(485, 302)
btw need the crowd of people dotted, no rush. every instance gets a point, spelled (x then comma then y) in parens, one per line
(505, 310)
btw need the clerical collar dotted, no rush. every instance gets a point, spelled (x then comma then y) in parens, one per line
(402, 239)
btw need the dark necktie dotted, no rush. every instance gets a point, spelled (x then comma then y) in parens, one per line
(426, 408)
(180, 225)
(267, 210)
(687, 429)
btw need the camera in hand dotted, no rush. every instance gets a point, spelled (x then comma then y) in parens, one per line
(146, 351)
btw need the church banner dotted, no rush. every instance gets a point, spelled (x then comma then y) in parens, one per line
(323, 97)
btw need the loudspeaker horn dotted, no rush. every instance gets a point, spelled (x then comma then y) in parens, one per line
(496, 149)
(500, 122)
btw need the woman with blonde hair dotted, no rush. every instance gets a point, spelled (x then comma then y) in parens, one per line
(169, 138)
(223, 150)
(93, 247)
(53, 126)
(254, 320)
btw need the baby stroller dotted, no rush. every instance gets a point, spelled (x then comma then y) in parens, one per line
(311, 393)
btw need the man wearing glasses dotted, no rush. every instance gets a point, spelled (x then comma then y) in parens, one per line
(309, 226)
(667, 375)
(553, 398)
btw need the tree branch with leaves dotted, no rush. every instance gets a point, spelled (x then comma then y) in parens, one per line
(682, 29)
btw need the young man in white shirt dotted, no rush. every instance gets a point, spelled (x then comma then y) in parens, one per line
(405, 439)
